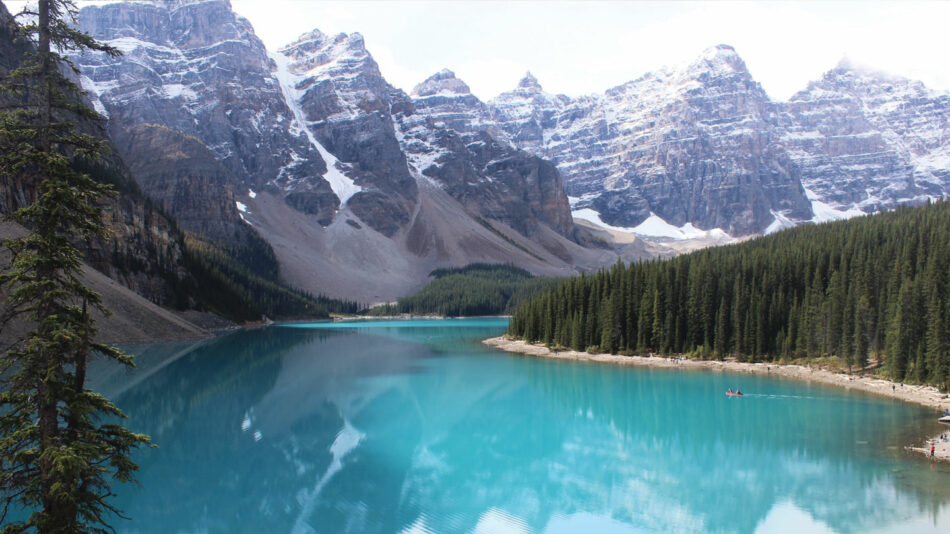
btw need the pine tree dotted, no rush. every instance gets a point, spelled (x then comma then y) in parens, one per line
(57, 458)
(869, 287)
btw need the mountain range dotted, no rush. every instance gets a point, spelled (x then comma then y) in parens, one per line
(361, 189)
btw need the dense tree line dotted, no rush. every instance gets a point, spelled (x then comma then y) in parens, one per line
(870, 288)
(227, 286)
(477, 289)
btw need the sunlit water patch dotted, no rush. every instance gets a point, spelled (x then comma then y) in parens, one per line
(414, 426)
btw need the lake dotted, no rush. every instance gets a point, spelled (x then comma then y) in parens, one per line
(415, 426)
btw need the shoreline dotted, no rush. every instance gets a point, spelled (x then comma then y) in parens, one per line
(928, 396)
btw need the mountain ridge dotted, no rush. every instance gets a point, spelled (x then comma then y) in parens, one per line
(695, 151)
(343, 201)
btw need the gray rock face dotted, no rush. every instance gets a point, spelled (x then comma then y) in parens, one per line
(868, 140)
(450, 138)
(693, 145)
(185, 179)
(703, 144)
(197, 68)
(335, 152)
(145, 251)
(345, 105)
(527, 112)
(449, 103)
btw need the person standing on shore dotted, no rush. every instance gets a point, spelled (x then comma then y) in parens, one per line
(931, 450)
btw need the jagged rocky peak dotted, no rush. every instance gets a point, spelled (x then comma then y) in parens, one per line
(447, 101)
(848, 65)
(443, 82)
(525, 111)
(690, 144)
(198, 68)
(529, 83)
(178, 23)
(868, 140)
(453, 140)
(346, 76)
(315, 49)
(343, 103)
(863, 80)
(721, 58)
(717, 65)
(528, 89)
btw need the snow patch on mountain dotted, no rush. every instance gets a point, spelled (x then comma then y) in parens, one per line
(654, 226)
(780, 223)
(94, 92)
(824, 212)
(342, 185)
(414, 138)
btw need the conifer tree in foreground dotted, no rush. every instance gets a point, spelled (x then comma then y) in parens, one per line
(57, 457)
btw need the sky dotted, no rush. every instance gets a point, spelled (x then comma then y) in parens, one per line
(582, 47)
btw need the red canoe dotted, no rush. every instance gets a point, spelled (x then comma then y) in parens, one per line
(733, 394)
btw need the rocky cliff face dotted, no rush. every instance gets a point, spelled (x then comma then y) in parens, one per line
(450, 138)
(692, 145)
(342, 159)
(345, 106)
(702, 144)
(867, 140)
(316, 108)
(145, 252)
(333, 166)
(184, 178)
(198, 68)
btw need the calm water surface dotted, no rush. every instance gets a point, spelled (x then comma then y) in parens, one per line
(414, 426)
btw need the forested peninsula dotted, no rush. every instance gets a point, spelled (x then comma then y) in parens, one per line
(871, 291)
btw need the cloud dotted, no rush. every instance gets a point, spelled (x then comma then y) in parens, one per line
(490, 76)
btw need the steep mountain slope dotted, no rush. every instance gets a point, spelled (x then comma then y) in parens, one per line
(446, 139)
(702, 145)
(183, 177)
(361, 189)
(135, 319)
(691, 145)
(343, 103)
(868, 141)
(197, 68)
(315, 155)
(146, 251)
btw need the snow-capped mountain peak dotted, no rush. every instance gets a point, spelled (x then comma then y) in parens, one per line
(530, 83)
(442, 83)
(721, 59)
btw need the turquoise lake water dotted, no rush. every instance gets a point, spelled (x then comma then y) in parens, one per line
(414, 426)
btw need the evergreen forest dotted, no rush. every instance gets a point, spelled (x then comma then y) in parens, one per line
(476, 289)
(239, 285)
(871, 291)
